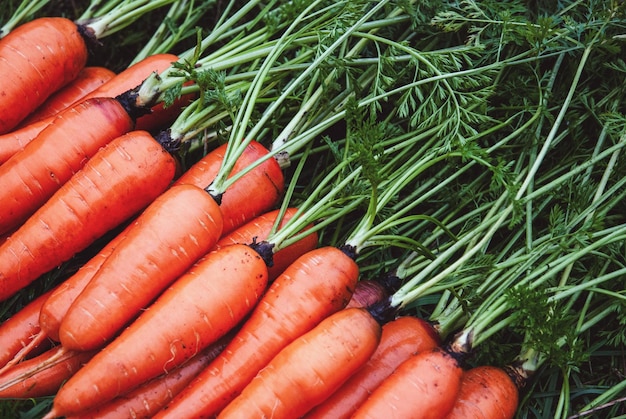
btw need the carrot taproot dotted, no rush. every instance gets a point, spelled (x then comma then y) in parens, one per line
(259, 229)
(309, 369)
(36, 59)
(195, 311)
(146, 400)
(317, 284)
(118, 181)
(55, 307)
(88, 80)
(487, 392)
(401, 338)
(172, 233)
(42, 375)
(30, 177)
(370, 291)
(17, 333)
(238, 206)
(424, 386)
(17, 139)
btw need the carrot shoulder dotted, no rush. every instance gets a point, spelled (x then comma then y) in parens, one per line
(36, 59)
(195, 311)
(401, 338)
(487, 392)
(309, 369)
(316, 285)
(172, 233)
(424, 386)
(124, 177)
(33, 175)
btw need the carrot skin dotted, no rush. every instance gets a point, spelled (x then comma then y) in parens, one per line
(42, 382)
(316, 285)
(16, 140)
(88, 80)
(56, 305)
(487, 392)
(266, 181)
(149, 398)
(309, 369)
(172, 233)
(424, 386)
(124, 177)
(32, 176)
(18, 330)
(38, 57)
(401, 338)
(195, 311)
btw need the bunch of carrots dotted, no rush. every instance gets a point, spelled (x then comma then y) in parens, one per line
(307, 209)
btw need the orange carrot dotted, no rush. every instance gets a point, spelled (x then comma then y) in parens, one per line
(195, 311)
(237, 203)
(316, 285)
(42, 375)
(32, 176)
(87, 80)
(424, 386)
(16, 140)
(36, 59)
(149, 398)
(309, 369)
(17, 332)
(172, 233)
(401, 338)
(487, 392)
(259, 229)
(56, 305)
(118, 181)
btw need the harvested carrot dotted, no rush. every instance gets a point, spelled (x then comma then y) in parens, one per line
(401, 338)
(37, 58)
(195, 311)
(371, 291)
(121, 179)
(316, 285)
(237, 203)
(42, 375)
(424, 386)
(259, 229)
(18, 331)
(146, 400)
(487, 392)
(172, 233)
(56, 305)
(309, 369)
(16, 140)
(32, 176)
(88, 80)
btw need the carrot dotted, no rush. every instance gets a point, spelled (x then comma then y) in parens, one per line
(36, 59)
(401, 338)
(87, 80)
(310, 368)
(370, 291)
(149, 398)
(195, 311)
(17, 332)
(32, 176)
(237, 204)
(316, 285)
(172, 233)
(424, 386)
(16, 140)
(56, 305)
(487, 392)
(259, 229)
(118, 181)
(42, 375)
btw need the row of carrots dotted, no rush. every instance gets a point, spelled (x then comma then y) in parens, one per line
(197, 304)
